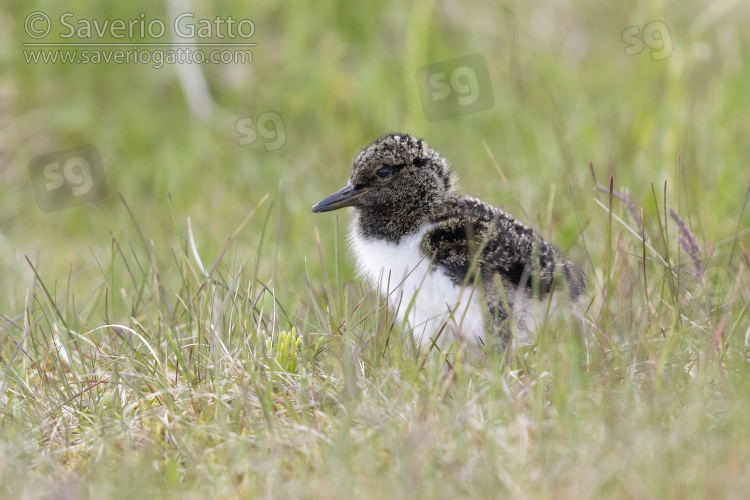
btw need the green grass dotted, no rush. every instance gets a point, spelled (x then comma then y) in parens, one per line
(202, 334)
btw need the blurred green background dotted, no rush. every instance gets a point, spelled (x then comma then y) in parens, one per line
(341, 74)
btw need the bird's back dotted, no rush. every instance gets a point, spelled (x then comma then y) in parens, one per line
(471, 239)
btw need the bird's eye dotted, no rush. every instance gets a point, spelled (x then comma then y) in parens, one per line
(383, 173)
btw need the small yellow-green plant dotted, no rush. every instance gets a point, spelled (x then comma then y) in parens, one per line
(284, 349)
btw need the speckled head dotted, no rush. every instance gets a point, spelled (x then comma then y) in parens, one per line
(396, 170)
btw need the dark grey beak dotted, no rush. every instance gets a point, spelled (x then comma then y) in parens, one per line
(345, 197)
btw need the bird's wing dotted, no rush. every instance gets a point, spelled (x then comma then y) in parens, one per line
(507, 248)
(447, 244)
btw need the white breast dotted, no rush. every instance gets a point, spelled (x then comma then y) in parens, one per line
(401, 272)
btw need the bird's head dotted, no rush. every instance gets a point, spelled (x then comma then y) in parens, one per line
(396, 170)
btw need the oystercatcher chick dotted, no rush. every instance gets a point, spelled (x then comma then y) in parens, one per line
(453, 266)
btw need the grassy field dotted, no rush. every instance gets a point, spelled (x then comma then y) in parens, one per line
(199, 333)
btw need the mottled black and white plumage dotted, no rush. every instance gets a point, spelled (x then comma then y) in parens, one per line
(460, 259)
